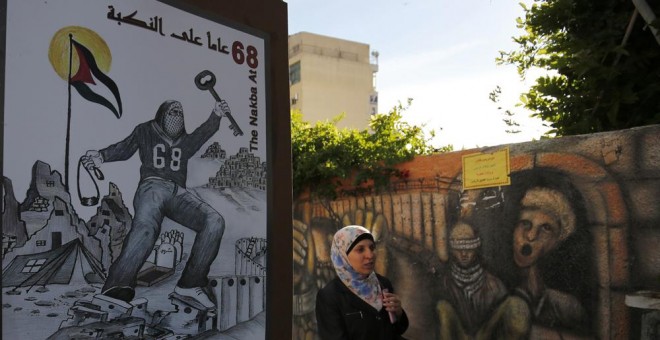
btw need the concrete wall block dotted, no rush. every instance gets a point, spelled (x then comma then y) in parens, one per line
(603, 314)
(649, 157)
(646, 255)
(416, 215)
(369, 203)
(378, 204)
(257, 297)
(242, 299)
(387, 212)
(427, 220)
(361, 203)
(619, 257)
(644, 199)
(620, 316)
(406, 216)
(573, 164)
(601, 254)
(397, 215)
(115, 308)
(521, 162)
(226, 295)
(440, 226)
(594, 202)
(617, 212)
(613, 153)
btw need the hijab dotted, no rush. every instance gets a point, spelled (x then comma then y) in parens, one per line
(366, 288)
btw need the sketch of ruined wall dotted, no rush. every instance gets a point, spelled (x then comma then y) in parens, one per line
(48, 221)
(14, 232)
(602, 192)
(243, 170)
(46, 217)
(251, 256)
(110, 225)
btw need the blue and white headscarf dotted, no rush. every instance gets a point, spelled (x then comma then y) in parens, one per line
(367, 288)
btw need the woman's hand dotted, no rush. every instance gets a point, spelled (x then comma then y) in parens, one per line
(392, 303)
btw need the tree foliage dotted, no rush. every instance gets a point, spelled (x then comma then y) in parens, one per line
(604, 70)
(513, 126)
(322, 153)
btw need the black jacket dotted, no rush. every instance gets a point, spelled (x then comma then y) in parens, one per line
(341, 314)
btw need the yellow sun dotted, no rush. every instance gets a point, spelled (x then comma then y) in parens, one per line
(58, 51)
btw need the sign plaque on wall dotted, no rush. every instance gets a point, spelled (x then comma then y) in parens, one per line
(483, 170)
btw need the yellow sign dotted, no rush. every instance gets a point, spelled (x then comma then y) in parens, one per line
(483, 170)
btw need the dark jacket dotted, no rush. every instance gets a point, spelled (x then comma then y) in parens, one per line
(341, 314)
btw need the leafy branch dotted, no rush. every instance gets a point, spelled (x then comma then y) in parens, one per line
(324, 155)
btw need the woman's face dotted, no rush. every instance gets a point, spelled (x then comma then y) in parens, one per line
(536, 234)
(363, 257)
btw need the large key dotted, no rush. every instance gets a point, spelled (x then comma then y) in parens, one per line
(205, 81)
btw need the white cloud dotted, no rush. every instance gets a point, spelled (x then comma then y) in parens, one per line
(459, 109)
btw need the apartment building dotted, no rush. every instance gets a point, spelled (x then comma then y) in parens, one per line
(329, 76)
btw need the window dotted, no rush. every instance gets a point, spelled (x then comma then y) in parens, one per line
(105, 212)
(59, 212)
(41, 243)
(294, 73)
(33, 266)
(50, 184)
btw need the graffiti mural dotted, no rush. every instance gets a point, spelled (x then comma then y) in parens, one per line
(562, 252)
(134, 173)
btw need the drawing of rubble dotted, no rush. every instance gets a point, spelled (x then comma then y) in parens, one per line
(54, 264)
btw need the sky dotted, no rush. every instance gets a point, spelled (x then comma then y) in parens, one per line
(441, 54)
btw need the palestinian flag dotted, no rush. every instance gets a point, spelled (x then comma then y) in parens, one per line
(85, 81)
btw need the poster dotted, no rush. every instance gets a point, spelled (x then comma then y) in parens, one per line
(135, 172)
(483, 170)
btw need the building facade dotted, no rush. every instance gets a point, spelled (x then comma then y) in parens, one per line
(330, 76)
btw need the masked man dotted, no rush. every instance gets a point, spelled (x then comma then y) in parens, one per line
(471, 292)
(165, 148)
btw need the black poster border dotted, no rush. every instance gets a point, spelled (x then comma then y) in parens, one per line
(266, 19)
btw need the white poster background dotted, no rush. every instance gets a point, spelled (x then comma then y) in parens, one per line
(148, 69)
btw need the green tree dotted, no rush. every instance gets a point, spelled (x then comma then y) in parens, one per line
(603, 64)
(323, 153)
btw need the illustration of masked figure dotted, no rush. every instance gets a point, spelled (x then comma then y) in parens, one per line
(471, 293)
(164, 148)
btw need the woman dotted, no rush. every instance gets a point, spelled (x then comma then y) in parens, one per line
(358, 303)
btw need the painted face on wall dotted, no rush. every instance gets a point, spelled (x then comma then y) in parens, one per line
(464, 257)
(363, 257)
(535, 234)
(464, 244)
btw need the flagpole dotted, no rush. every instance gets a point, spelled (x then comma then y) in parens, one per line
(68, 118)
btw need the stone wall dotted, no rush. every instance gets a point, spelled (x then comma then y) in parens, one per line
(574, 273)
